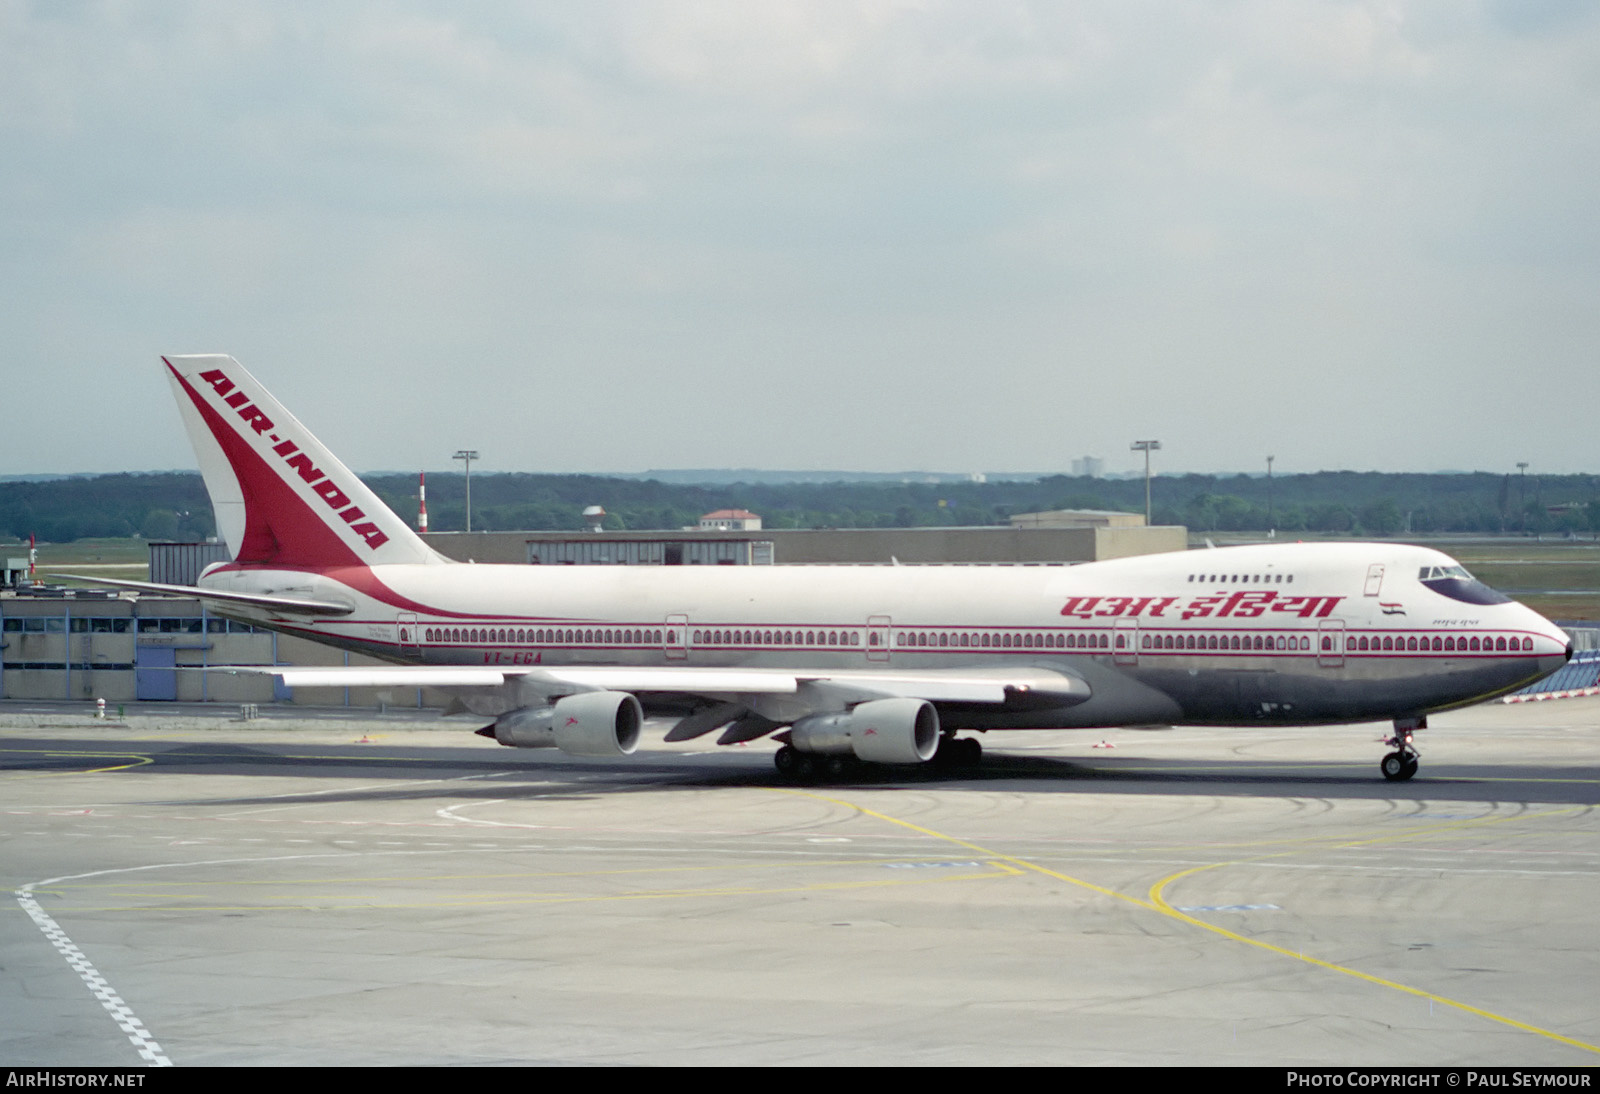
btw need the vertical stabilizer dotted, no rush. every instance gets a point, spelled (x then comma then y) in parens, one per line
(280, 497)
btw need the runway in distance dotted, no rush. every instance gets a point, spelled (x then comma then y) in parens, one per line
(881, 664)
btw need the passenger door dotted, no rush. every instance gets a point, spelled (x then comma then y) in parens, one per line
(878, 638)
(1125, 642)
(675, 639)
(1330, 643)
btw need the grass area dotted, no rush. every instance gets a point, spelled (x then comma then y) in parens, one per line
(1558, 578)
(1574, 608)
(129, 558)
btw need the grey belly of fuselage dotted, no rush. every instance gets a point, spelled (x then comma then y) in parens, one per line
(1308, 692)
(1266, 692)
(1175, 691)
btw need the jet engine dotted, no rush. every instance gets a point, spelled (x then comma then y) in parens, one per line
(591, 723)
(884, 731)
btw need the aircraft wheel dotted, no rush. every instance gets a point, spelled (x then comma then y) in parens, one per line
(786, 759)
(958, 752)
(1397, 767)
(833, 767)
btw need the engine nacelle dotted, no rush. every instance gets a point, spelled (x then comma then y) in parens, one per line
(884, 731)
(591, 723)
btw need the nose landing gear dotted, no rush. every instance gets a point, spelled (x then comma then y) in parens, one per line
(1401, 764)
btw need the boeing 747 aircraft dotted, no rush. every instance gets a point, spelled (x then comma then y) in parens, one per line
(843, 664)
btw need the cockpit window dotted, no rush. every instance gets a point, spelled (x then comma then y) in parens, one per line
(1457, 584)
(1433, 573)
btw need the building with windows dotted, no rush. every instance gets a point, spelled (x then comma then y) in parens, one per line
(84, 645)
(1080, 536)
(730, 520)
(89, 645)
(1078, 518)
(646, 549)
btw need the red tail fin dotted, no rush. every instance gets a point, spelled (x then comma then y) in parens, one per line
(280, 497)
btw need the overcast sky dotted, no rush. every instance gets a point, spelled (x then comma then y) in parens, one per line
(596, 236)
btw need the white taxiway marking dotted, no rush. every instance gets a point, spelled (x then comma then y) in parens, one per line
(124, 1017)
(119, 1011)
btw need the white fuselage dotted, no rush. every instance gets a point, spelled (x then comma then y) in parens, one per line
(1288, 634)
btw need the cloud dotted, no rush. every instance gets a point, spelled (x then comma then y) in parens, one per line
(1012, 233)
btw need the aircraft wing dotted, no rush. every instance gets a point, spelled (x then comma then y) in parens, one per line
(1025, 686)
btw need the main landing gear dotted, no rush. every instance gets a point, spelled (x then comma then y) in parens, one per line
(958, 752)
(806, 766)
(1401, 764)
(953, 753)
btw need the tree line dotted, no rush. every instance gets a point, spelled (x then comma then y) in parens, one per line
(174, 506)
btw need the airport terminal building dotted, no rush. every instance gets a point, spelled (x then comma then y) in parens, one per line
(1061, 537)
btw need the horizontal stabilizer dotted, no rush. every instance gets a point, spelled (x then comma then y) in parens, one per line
(380, 676)
(283, 605)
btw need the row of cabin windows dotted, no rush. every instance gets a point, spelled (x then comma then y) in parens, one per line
(921, 639)
(948, 639)
(635, 637)
(570, 637)
(1351, 643)
(779, 638)
(1451, 644)
(1223, 642)
(1243, 579)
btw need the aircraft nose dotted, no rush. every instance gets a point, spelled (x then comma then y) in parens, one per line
(1560, 642)
(1552, 646)
(1558, 653)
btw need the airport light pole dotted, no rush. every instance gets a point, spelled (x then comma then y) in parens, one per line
(1271, 525)
(1522, 497)
(466, 456)
(1146, 447)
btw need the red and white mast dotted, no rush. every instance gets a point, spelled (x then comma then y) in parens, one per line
(422, 501)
